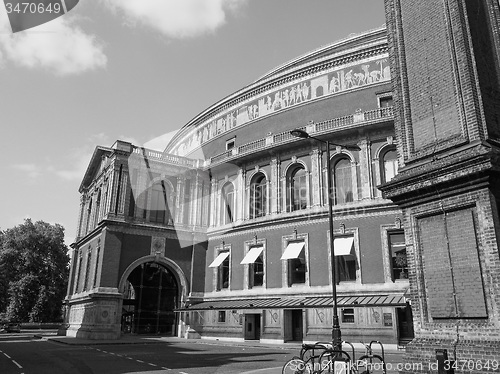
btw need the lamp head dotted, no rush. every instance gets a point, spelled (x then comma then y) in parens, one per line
(298, 133)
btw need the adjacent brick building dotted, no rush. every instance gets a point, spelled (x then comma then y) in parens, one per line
(445, 61)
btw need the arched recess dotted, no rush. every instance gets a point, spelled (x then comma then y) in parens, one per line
(349, 190)
(383, 162)
(135, 317)
(296, 196)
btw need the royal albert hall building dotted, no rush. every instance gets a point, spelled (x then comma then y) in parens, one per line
(225, 234)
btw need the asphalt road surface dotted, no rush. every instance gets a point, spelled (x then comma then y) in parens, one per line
(24, 354)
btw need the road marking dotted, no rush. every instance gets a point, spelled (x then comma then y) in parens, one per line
(10, 358)
(129, 358)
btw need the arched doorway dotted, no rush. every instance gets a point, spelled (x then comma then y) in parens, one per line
(150, 297)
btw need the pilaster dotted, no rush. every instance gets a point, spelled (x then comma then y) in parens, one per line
(366, 189)
(315, 177)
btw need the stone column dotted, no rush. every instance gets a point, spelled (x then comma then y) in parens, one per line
(365, 191)
(213, 202)
(274, 186)
(316, 184)
(180, 201)
(240, 197)
(81, 214)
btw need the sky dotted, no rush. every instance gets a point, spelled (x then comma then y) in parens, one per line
(136, 70)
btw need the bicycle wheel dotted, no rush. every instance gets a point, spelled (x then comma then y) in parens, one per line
(373, 364)
(297, 366)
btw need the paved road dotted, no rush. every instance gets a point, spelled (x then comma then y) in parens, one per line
(24, 354)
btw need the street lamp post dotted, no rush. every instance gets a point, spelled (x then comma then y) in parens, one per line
(336, 333)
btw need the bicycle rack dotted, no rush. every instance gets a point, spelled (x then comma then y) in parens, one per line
(382, 354)
(352, 348)
(381, 347)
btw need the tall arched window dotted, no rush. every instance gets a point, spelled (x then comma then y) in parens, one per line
(89, 217)
(389, 165)
(227, 203)
(98, 208)
(161, 206)
(258, 196)
(342, 177)
(297, 189)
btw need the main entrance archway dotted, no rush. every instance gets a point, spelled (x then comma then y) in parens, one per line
(151, 293)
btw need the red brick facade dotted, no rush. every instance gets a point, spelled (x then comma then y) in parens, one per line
(445, 59)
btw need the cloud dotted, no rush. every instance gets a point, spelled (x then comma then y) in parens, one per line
(176, 18)
(160, 142)
(58, 46)
(30, 170)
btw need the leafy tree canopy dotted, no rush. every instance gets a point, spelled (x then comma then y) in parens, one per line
(33, 272)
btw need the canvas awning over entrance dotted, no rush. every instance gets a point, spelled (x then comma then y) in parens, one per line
(299, 303)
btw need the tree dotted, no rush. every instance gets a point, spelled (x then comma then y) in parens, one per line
(33, 272)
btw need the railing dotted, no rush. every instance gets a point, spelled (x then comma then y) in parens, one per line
(334, 123)
(252, 146)
(285, 136)
(221, 156)
(317, 129)
(156, 155)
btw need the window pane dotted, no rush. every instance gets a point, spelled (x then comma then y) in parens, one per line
(399, 262)
(386, 102)
(258, 197)
(297, 269)
(348, 315)
(257, 272)
(298, 190)
(224, 274)
(390, 165)
(227, 203)
(346, 266)
(343, 182)
(158, 205)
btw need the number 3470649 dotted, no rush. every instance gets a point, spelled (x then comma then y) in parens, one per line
(33, 8)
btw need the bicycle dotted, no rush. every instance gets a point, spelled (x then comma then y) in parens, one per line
(316, 358)
(368, 360)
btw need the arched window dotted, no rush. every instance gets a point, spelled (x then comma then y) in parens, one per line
(258, 196)
(342, 177)
(227, 203)
(161, 205)
(89, 217)
(297, 189)
(389, 165)
(97, 208)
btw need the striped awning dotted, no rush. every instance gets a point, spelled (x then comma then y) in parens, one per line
(305, 302)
